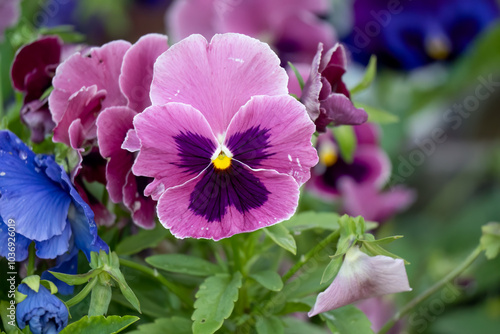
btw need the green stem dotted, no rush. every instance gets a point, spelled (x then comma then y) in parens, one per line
(180, 292)
(319, 247)
(433, 289)
(82, 294)
(236, 254)
(31, 260)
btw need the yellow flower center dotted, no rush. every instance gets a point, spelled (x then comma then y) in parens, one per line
(222, 161)
(438, 48)
(328, 155)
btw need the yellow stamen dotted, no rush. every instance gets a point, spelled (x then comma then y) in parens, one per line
(222, 161)
(438, 47)
(327, 155)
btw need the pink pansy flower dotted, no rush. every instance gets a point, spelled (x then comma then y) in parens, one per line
(379, 310)
(361, 277)
(114, 123)
(292, 27)
(110, 81)
(226, 145)
(325, 95)
(358, 184)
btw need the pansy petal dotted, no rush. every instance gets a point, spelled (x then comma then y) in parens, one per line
(100, 67)
(187, 17)
(143, 208)
(217, 205)
(131, 142)
(374, 204)
(112, 127)
(312, 87)
(337, 108)
(217, 78)
(137, 69)
(55, 246)
(82, 106)
(279, 141)
(176, 145)
(23, 184)
(21, 243)
(362, 277)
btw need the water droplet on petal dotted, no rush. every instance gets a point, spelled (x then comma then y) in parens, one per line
(2, 173)
(23, 155)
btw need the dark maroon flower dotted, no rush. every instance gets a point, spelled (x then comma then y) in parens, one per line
(325, 95)
(32, 72)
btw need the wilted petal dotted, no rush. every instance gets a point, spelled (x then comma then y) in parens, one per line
(361, 277)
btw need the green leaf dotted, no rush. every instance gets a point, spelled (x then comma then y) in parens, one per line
(373, 249)
(332, 269)
(490, 240)
(184, 264)
(347, 320)
(100, 325)
(269, 325)
(122, 283)
(377, 115)
(33, 282)
(65, 32)
(268, 279)
(282, 237)
(142, 240)
(295, 306)
(175, 325)
(310, 220)
(346, 139)
(9, 316)
(76, 279)
(298, 75)
(296, 326)
(49, 285)
(215, 302)
(370, 73)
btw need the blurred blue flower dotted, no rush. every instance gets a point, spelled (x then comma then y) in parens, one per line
(39, 203)
(42, 311)
(410, 34)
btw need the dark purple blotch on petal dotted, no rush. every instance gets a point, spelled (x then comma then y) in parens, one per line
(250, 146)
(218, 189)
(357, 170)
(195, 152)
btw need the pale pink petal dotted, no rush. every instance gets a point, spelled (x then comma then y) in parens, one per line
(217, 78)
(100, 67)
(280, 140)
(367, 134)
(374, 204)
(175, 213)
(157, 128)
(361, 277)
(137, 69)
(112, 127)
(83, 106)
(131, 142)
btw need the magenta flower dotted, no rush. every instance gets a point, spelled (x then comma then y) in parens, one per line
(226, 145)
(9, 14)
(361, 277)
(358, 184)
(111, 81)
(292, 28)
(325, 95)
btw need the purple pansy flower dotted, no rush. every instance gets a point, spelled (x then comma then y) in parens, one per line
(292, 27)
(358, 183)
(226, 145)
(415, 33)
(43, 312)
(325, 95)
(9, 14)
(38, 199)
(361, 277)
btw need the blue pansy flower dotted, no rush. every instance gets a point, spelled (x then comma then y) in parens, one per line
(410, 34)
(42, 311)
(38, 203)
